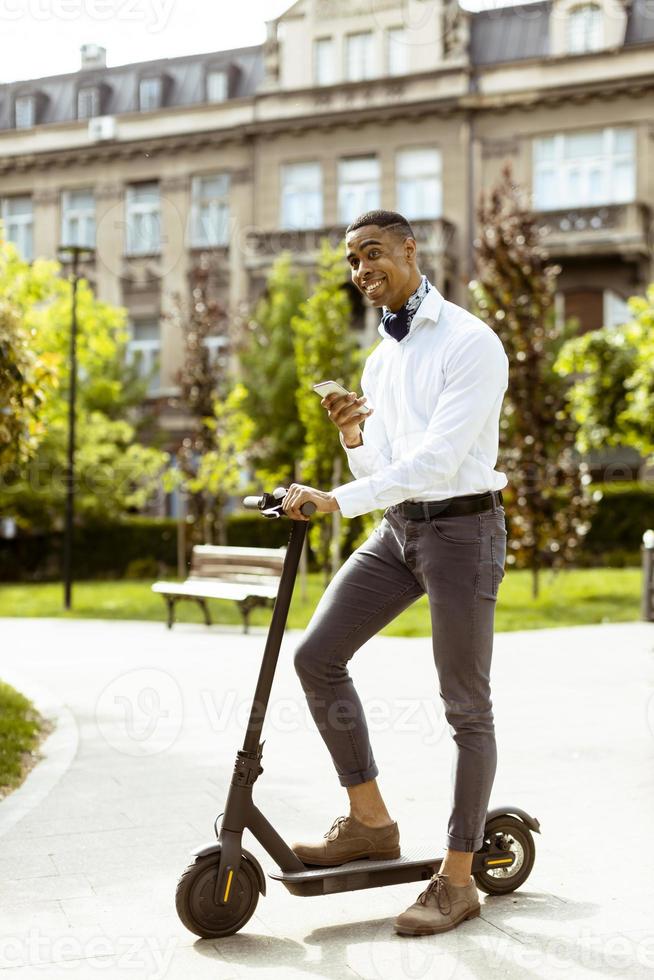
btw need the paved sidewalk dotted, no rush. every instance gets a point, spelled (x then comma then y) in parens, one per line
(148, 725)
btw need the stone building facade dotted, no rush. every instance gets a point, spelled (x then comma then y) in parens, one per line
(411, 105)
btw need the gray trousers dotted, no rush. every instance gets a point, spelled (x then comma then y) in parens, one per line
(459, 563)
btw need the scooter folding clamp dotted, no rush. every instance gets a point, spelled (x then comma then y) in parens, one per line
(247, 768)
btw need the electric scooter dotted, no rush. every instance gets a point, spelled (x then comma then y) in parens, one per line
(218, 892)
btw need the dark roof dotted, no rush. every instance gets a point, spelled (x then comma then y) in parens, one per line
(515, 33)
(497, 35)
(185, 84)
(640, 26)
(509, 33)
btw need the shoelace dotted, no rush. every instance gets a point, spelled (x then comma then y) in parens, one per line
(438, 888)
(338, 823)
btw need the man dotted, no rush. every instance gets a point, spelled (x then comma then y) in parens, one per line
(427, 454)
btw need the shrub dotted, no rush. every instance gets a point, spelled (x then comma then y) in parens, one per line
(146, 547)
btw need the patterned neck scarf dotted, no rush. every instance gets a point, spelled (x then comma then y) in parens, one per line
(398, 324)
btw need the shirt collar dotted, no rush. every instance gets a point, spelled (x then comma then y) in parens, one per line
(429, 309)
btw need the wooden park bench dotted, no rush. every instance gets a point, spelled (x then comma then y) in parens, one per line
(249, 576)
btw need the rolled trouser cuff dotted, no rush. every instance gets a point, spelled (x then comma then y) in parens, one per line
(463, 843)
(354, 778)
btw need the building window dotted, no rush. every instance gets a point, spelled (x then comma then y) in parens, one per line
(150, 90)
(397, 51)
(586, 306)
(359, 56)
(324, 64)
(419, 187)
(301, 195)
(143, 219)
(585, 29)
(584, 169)
(88, 103)
(25, 111)
(17, 218)
(217, 86)
(210, 210)
(78, 218)
(359, 187)
(216, 348)
(616, 310)
(143, 350)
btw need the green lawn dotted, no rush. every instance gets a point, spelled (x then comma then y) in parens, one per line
(20, 730)
(570, 598)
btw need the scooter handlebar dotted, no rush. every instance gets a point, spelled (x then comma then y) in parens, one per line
(265, 502)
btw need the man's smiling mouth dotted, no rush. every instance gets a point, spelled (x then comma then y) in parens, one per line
(373, 287)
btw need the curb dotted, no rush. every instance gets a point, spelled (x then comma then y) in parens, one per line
(56, 753)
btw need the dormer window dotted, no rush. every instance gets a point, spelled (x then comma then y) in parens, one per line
(359, 56)
(88, 102)
(585, 29)
(25, 111)
(217, 85)
(324, 61)
(397, 51)
(150, 93)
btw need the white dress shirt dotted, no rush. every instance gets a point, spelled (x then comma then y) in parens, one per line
(437, 395)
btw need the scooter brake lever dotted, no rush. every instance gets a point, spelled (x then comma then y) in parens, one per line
(272, 512)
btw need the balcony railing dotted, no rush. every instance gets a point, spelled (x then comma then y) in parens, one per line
(623, 229)
(434, 237)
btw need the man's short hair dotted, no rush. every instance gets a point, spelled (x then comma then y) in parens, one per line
(392, 220)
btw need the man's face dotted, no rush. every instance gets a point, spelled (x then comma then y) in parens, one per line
(382, 264)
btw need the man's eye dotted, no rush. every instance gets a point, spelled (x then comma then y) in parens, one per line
(373, 252)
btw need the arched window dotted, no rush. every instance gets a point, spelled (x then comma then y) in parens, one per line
(585, 28)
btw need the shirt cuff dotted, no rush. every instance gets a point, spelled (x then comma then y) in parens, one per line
(361, 458)
(356, 497)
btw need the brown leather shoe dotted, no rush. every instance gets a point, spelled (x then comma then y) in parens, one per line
(440, 907)
(349, 840)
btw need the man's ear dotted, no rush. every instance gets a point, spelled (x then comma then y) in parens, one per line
(410, 249)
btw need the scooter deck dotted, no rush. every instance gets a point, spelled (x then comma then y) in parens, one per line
(414, 864)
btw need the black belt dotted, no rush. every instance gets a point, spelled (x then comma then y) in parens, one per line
(452, 507)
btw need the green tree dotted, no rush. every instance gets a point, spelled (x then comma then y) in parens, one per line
(24, 381)
(514, 293)
(268, 370)
(113, 473)
(221, 468)
(325, 348)
(218, 470)
(611, 397)
(203, 383)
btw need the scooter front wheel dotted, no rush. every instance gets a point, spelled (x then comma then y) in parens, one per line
(196, 904)
(509, 834)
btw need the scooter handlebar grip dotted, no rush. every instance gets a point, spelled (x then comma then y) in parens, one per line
(252, 502)
(308, 508)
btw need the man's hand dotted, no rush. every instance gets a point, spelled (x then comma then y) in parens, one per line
(298, 494)
(342, 410)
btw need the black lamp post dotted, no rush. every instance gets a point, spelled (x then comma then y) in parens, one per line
(73, 254)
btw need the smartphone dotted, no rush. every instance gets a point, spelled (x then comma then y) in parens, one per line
(334, 388)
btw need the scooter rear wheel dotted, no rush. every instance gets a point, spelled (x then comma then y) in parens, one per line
(196, 904)
(511, 834)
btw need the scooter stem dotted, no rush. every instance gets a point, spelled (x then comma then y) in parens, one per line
(275, 636)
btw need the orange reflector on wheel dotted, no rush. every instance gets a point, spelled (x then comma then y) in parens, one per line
(500, 861)
(229, 885)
